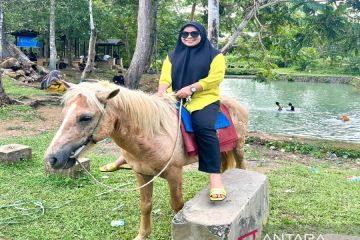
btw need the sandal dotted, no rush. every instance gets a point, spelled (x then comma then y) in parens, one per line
(217, 194)
(111, 167)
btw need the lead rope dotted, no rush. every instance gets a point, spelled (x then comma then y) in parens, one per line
(156, 176)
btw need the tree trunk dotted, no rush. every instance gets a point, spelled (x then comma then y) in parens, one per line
(144, 43)
(153, 34)
(127, 45)
(239, 29)
(69, 50)
(4, 99)
(52, 62)
(192, 14)
(19, 55)
(91, 51)
(213, 22)
(1, 32)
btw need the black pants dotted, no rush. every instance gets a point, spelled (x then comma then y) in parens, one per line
(203, 122)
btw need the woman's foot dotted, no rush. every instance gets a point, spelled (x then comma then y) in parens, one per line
(114, 166)
(217, 191)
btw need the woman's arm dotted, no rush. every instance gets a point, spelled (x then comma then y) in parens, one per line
(165, 77)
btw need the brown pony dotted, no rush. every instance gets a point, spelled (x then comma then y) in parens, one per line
(145, 128)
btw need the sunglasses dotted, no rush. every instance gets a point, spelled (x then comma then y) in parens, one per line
(193, 34)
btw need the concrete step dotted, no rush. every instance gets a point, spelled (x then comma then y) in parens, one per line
(240, 216)
(12, 153)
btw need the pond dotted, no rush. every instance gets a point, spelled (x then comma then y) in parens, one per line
(317, 107)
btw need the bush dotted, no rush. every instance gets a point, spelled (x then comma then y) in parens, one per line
(305, 57)
(266, 76)
(354, 65)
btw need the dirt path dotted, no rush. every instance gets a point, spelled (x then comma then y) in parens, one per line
(49, 118)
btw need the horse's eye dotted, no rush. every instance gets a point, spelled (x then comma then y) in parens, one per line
(84, 119)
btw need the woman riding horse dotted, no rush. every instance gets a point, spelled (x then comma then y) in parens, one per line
(145, 126)
(195, 69)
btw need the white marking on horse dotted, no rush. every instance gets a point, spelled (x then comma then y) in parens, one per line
(68, 115)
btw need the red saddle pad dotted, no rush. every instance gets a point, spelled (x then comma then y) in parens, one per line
(227, 136)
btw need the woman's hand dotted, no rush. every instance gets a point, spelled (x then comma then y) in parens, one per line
(184, 92)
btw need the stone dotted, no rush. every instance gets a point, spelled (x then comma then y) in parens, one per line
(72, 172)
(240, 216)
(12, 153)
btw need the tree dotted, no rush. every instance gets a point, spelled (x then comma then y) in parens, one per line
(258, 5)
(144, 42)
(91, 52)
(1, 31)
(53, 55)
(213, 22)
(4, 99)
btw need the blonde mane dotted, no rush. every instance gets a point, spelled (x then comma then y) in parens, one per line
(149, 113)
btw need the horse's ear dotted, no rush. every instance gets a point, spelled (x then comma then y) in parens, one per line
(113, 93)
(104, 96)
(67, 84)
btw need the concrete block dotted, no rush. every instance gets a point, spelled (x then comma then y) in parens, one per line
(72, 172)
(239, 217)
(12, 153)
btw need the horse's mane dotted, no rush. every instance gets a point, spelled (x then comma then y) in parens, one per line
(149, 113)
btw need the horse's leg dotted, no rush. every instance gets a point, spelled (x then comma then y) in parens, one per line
(239, 154)
(174, 179)
(145, 205)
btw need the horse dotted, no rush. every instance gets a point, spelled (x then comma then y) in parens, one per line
(144, 126)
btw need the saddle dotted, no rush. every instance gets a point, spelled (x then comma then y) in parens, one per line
(225, 131)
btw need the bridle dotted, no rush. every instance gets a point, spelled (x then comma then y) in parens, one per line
(90, 138)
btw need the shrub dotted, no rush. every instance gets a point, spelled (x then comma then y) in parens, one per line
(305, 57)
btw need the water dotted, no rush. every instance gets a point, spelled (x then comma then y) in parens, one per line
(317, 107)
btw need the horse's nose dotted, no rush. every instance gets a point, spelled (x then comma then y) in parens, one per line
(52, 160)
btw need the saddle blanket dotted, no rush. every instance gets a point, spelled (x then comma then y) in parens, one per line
(225, 131)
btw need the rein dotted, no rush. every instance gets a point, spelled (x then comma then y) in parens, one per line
(91, 139)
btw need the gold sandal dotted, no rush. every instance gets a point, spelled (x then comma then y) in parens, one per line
(220, 194)
(111, 167)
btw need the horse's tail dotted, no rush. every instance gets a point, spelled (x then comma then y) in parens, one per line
(227, 160)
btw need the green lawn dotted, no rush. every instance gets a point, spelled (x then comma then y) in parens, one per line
(334, 71)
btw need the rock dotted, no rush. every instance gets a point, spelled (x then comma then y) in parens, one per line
(10, 73)
(10, 63)
(20, 73)
(21, 78)
(12, 153)
(241, 214)
(73, 172)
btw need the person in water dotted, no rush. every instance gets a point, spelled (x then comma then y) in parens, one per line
(292, 108)
(279, 106)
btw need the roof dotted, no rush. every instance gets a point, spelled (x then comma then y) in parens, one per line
(110, 42)
(25, 32)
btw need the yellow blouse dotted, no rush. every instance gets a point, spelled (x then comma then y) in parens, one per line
(210, 84)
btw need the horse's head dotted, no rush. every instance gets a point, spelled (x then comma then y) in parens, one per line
(85, 122)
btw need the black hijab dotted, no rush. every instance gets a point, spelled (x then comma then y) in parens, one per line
(190, 64)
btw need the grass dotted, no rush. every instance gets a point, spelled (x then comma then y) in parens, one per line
(314, 72)
(325, 201)
(24, 112)
(14, 89)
